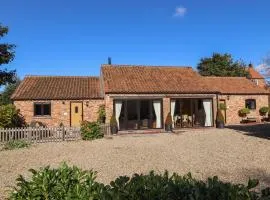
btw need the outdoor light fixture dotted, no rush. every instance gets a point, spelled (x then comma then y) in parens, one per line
(63, 102)
(228, 97)
(87, 103)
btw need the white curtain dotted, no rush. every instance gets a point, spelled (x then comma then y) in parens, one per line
(172, 111)
(207, 105)
(118, 107)
(157, 108)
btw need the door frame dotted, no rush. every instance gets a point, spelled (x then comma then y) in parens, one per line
(70, 111)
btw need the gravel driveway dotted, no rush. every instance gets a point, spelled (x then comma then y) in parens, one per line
(230, 154)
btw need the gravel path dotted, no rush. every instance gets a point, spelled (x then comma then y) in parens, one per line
(231, 155)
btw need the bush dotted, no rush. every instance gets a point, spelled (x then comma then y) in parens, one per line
(264, 110)
(168, 121)
(101, 114)
(243, 112)
(62, 183)
(222, 106)
(16, 144)
(220, 117)
(73, 183)
(91, 130)
(113, 122)
(10, 117)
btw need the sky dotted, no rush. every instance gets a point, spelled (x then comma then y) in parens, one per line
(64, 37)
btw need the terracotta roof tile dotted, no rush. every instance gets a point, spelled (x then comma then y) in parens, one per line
(153, 79)
(58, 87)
(166, 80)
(235, 85)
(254, 74)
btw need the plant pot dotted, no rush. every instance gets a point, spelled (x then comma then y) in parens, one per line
(168, 128)
(114, 130)
(220, 125)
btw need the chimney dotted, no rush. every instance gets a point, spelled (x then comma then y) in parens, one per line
(109, 61)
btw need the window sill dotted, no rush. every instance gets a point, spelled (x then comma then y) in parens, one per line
(43, 117)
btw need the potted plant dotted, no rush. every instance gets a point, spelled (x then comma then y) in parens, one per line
(220, 122)
(222, 106)
(243, 112)
(113, 125)
(168, 123)
(263, 111)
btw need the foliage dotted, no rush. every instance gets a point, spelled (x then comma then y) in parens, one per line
(6, 56)
(5, 96)
(263, 110)
(243, 112)
(35, 124)
(168, 121)
(113, 122)
(101, 114)
(222, 106)
(62, 183)
(221, 65)
(73, 183)
(10, 117)
(220, 117)
(16, 144)
(91, 130)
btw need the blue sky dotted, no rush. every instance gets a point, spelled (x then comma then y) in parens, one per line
(57, 37)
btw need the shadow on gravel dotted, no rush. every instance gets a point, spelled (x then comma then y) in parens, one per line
(256, 130)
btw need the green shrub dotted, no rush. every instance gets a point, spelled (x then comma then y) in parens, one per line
(10, 117)
(91, 130)
(113, 122)
(222, 106)
(168, 121)
(16, 144)
(62, 183)
(73, 183)
(264, 110)
(101, 114)
(220, 117)
(243, 112)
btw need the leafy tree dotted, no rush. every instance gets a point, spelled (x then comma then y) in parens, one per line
(5, 96)
(221, 65)
(7, 54)
(10, 117)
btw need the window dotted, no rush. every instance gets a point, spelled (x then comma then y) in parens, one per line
(42, 109)
(76, 109)
(251, 104)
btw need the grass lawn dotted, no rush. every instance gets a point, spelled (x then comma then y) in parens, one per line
(231, 154)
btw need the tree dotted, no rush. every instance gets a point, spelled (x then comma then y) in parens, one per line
(264, 68)
(5, 96)
(7, 54)
(221, 65)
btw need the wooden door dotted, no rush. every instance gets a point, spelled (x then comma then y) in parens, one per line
(76, 114)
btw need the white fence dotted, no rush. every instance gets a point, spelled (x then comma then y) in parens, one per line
(40, 134)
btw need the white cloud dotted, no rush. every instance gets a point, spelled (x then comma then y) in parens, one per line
(264, 69)
(180, 11)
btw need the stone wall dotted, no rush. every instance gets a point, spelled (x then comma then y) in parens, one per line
(236, 102)
(60, 111)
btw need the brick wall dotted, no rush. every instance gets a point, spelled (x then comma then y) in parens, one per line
(60, 111)
(237, 102)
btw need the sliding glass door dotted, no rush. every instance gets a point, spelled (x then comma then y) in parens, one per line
(187, 113)
(138, 114)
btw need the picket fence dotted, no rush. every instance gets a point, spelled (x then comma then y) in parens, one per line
(45, 134)
(40, 134)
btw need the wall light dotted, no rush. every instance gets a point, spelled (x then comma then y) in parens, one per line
(63, 102)
(87, 103)
(228, 97)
